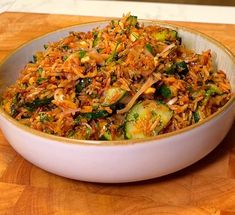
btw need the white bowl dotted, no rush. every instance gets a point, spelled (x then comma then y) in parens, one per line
(118, 161)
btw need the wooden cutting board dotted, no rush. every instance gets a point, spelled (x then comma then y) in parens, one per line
(207, 187)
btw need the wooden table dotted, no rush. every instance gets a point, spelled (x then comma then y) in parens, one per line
(207, 187)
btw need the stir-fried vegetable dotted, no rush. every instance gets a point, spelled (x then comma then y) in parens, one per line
(165, 35)
(114, 55)
(81, 84)
(180, 68)
(113, 95)
(196, 116)
(92, 115)
(147, 119)
(32, 106)
(132, 21)
(165, 91)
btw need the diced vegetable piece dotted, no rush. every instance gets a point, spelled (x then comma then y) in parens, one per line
(132, 21)
(213, 89)
(106, 136)
(38, 103)
(180, 68)
(146, 119)
(165, 91)
(113, 95)
(81, 84)
(149, 48)
(134, 36)
(166, 35)
(196, 117)
(169, 69)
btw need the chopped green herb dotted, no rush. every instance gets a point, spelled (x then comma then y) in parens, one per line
(113, 78)
(153, 113)
(114, 55)
(45, 46)
(14, 110)
(196, 117)
(15, 105)
(34, 59)
(65, 47)
(112, 23)
(96, 115)
(82, 54)
(96, 39)
(149, 48)
(88, 133)
(44, 117)
(70, 133)
(16, 98)
(40, 70)
(65, 58)
(41, 80)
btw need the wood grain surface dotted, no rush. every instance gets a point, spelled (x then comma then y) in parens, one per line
(205, 188)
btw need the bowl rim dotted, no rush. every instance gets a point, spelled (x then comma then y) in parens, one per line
(125, 142)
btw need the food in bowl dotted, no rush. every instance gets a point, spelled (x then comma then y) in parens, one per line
(124, 81)
(123, 160)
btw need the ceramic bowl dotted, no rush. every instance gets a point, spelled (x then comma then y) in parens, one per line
(118, 161)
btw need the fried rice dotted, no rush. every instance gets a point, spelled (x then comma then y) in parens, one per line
(124, 81)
